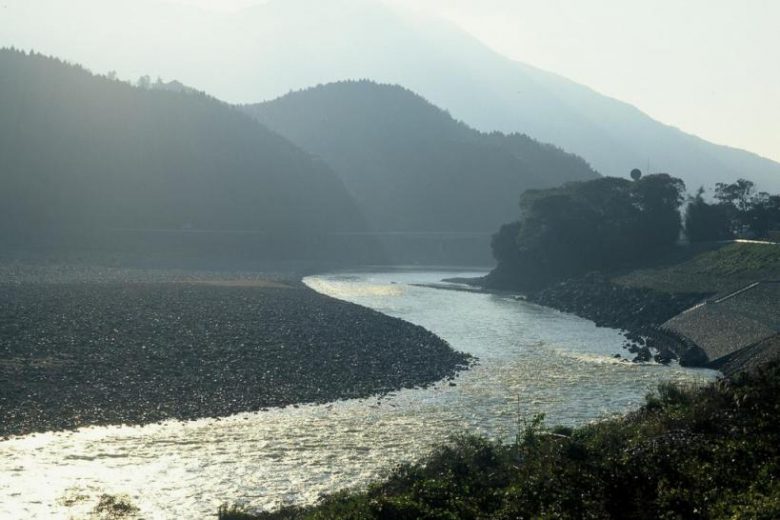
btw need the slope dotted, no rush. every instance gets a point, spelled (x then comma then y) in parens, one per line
(86, 152)
(411, 166)
(264, 51)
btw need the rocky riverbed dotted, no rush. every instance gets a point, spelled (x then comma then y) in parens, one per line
(611, 305)
(638, 311)
(112, 351)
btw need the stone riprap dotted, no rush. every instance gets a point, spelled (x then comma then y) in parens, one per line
(750, 358)
(726, 324)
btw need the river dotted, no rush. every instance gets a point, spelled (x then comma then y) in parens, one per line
(531, 360)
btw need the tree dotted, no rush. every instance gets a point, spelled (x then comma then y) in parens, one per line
(659, 197)
(585, 226)
(764, 214)
(144, 82)
(739, 194)
(706, 222)
(755, 212)
(504, 242)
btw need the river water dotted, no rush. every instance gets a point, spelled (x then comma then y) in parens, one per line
(531, 360)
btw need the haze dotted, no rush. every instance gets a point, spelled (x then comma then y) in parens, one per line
(389, 258)
(706, 67)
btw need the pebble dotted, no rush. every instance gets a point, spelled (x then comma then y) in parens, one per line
(93, 353)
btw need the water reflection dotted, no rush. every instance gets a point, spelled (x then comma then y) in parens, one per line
(532, 360)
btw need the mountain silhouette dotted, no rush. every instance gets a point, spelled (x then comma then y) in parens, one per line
(409, 165)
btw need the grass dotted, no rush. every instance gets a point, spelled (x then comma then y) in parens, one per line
(739, 259)
(710, 271)
(710, 452)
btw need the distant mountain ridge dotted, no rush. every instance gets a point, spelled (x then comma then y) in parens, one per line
(84, 152)
(409, 165)
(269, 49)
(613, 135)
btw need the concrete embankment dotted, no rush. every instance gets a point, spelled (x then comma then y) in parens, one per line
(734, 330)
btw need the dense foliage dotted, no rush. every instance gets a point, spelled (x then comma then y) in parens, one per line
(738, 211)
(586, 226)
(705, 222)
(80, 150)
(703, 453)
(753, 213)
(410, 165)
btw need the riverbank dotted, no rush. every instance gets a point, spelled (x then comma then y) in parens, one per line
(641, 299)
(709, 453)
(636, 311)
(531, 360)
(84, 346)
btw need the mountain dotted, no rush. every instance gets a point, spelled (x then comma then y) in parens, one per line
(409, 165)
(84, 152)
(264, 51)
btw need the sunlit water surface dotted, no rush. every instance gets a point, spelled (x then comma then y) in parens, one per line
(531, 360)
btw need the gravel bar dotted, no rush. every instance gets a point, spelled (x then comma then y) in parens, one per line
(96, 353)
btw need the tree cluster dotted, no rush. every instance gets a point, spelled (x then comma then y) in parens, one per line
(588, 226)
(737, 212)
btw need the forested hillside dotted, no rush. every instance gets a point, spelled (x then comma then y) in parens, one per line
(81, 151)
(409, 164)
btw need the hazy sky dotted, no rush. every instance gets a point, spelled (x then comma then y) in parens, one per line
(709, 67)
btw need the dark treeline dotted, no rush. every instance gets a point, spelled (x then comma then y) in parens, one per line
(737, 212)
(586, 226)
(409, 164)
(83, 151)
(609, 223)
